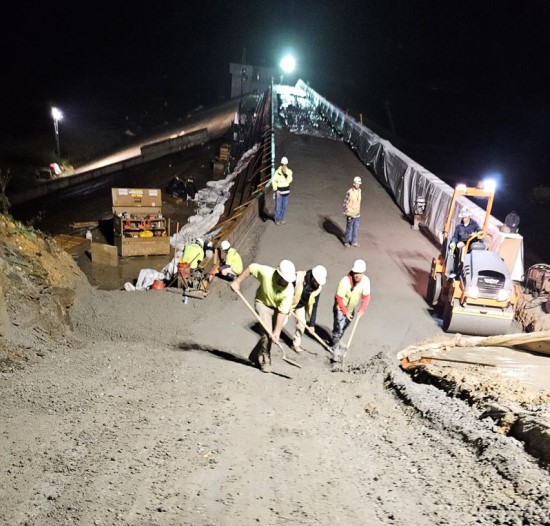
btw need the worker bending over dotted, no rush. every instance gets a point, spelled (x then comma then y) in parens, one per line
(273, 303)
(193, 253)
(307, 291)
(353, 291)
(230, 262)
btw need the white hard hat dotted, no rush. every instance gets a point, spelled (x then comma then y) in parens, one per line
(225, 244)
(199, 241)
(284, 160)
(287, 270)
(357, 180)
(359, 266)
(465, 212)
(320, 274)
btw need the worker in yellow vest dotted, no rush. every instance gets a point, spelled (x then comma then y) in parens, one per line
(231, 263)
(273, 303)
(281, 181)
(193, 253)
(352, 299)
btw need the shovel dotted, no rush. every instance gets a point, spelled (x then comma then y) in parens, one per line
(317, 337)
(266, 329)
(345, 348)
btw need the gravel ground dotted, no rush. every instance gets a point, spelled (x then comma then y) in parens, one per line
(147, 433)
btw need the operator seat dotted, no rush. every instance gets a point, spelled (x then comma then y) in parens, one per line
(478, 244)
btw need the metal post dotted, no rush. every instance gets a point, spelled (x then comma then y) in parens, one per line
(57, 116)
(56, 128)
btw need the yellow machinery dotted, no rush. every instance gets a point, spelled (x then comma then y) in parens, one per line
(475, 289)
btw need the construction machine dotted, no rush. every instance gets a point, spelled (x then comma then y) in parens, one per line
(474, 285)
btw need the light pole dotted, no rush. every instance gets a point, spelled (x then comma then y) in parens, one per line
(57, 116)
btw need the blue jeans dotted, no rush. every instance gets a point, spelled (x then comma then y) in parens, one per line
(281, 204)
(352, 227)
(341, 323)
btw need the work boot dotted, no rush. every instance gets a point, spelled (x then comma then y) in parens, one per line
(265, 362)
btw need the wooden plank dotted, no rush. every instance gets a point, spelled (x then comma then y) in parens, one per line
(84, 224)
(103, 254)
(71, 244)
(228, 220)
(143, 246)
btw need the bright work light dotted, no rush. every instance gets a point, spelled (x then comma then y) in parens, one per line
(288, 63)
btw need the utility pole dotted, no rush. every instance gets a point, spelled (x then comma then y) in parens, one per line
(57, 116)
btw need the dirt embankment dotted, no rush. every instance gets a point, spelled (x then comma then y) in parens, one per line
(38, 285)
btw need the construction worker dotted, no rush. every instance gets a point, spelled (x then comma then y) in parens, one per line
(353, 291)
(193, 253)
(273, 303)
(463, 231)
(307, 291)
(230, 262)
(281, 180)
(352, 211)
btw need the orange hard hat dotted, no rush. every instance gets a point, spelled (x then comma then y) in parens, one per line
(158, 285)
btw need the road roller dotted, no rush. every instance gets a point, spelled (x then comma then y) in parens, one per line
(472, 283)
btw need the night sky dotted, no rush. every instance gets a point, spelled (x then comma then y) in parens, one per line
(459, 86)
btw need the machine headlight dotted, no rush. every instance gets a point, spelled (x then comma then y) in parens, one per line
(503, 295)
(473, 291)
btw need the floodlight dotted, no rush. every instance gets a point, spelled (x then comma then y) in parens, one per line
(288, 63)
(490, 185)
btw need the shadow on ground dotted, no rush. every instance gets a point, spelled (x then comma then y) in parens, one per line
(226, 355)
(331, 227)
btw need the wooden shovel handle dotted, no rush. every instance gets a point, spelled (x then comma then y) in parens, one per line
(355, 323)
(316, 336)
(251, 309)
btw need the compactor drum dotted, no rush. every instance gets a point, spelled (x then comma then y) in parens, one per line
(474, 285)
(481, 299)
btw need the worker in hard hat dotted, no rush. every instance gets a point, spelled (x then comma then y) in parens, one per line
(352, 211)
(307, 290)
(273, 303)
(230, 261)
(353, 293)
(193, 253)
(281, 181)
(464, 230)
